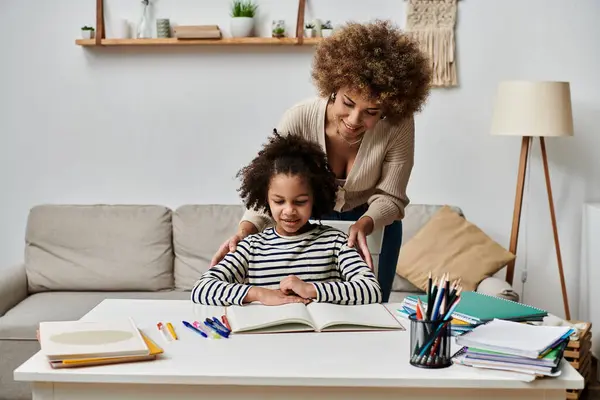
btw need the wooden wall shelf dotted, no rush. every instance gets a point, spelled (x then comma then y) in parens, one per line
(249, 41)
(100, 39)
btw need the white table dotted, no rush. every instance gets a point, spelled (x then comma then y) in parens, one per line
(349, 365)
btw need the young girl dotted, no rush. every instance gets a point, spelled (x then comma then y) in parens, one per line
(295, 261)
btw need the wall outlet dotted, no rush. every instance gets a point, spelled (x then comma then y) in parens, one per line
(524, 276)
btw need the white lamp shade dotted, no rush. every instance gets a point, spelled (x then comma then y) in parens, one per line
(533, 109)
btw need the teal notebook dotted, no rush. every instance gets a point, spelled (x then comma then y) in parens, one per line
(478, 307)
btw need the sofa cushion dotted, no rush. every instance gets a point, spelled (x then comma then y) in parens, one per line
(21, 322)
(448, 243)
(198, 231)
(415, 217)
(99, 247)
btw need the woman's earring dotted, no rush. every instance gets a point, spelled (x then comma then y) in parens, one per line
(383, 117)
(333, 96)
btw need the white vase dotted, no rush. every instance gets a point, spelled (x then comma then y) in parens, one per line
(86, 34)
(241, 26)
(309, 33)
(143, 27)
(122, 29)
(326, 32)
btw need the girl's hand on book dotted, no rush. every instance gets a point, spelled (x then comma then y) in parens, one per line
(291, 284)
(270, 297)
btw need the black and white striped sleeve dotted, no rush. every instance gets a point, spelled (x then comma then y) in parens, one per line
(359, 284)
(223, 284)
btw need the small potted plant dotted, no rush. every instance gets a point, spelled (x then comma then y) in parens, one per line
(87, 32)
(278, 28)
(242, 18)
(309, 30)
(326, 29)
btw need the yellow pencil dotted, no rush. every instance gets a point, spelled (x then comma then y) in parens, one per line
(171, 330)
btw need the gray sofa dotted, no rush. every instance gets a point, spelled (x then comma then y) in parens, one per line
(77, 255)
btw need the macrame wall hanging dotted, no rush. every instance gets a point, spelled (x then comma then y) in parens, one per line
(431, 23)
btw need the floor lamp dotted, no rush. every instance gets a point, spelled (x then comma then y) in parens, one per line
(529, 110)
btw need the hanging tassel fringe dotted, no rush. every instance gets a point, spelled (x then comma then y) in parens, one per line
(431, 24)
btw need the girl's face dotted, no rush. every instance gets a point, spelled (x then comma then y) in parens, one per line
(291, 203)
(353, 115)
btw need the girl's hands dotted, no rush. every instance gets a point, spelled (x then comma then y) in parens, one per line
(272, 297)
(293, 285)
(358, 236)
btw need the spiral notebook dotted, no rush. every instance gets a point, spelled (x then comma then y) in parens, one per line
(475, 308)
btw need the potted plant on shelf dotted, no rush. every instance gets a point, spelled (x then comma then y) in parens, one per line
(309, 30)
(326, 29)
(242, 18)
(278, 28)
(87, 32)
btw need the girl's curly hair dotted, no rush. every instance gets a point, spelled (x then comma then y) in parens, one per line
(292, 155)
(377, 60)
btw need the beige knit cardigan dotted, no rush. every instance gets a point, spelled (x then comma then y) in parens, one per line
(379, 175)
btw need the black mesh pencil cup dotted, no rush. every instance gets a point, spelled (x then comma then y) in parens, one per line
(430, 343)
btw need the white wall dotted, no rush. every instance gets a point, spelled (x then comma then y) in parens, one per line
(172, 126)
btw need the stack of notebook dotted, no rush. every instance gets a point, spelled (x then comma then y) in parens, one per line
(477, 308)
(513, 346)
(69, 344)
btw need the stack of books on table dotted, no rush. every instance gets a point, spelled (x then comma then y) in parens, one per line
(477, 308)
(70, 344)
(512, 346)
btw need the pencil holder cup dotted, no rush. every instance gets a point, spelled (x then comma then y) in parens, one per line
(430, 343)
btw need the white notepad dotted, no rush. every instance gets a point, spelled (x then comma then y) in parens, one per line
(513, 337)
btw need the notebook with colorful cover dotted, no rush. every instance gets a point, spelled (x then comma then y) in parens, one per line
(153, 348)
(476, 307)
(64, 340)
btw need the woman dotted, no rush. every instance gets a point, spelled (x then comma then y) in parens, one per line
(371, 79)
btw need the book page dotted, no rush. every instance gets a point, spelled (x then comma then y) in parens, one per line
(360, 317)
(256, 317)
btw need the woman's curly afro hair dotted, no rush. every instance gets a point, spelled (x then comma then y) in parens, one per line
(378, 61)
(291, 155)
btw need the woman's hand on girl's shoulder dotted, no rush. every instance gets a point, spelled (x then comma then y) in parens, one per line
(357, 237)
(228, 246)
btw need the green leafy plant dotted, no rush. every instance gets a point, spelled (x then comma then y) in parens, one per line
(243, 8)
(278, 32)
(87, 28)
(327, 25)
(309, 26)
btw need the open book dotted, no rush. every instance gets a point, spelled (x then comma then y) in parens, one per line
(317, 317)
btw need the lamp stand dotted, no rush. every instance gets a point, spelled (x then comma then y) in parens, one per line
(514, 235)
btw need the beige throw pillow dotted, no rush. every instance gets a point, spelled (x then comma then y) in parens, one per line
(450, 243)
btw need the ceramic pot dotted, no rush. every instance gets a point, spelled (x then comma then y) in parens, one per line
(241, 26)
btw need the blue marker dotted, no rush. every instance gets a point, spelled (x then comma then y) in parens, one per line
(220, 324)
(188, 325)
(211, 325)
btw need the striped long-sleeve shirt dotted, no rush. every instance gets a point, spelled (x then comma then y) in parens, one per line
(320, 256)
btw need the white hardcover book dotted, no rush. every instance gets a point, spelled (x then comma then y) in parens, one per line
(65, 340)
